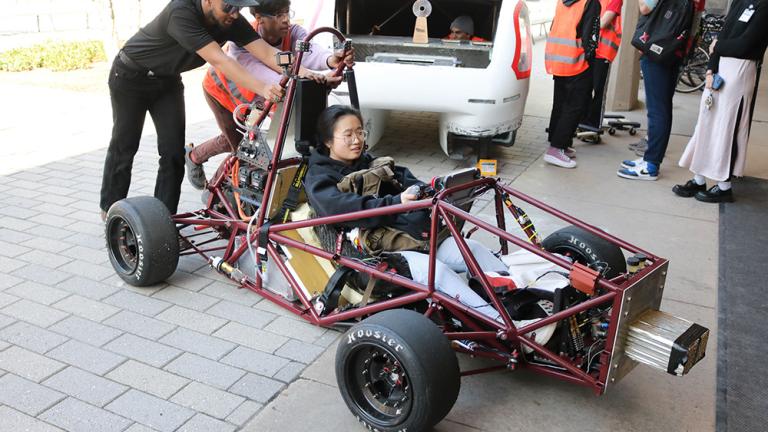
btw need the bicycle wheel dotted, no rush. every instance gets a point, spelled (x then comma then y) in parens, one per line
(694, 73)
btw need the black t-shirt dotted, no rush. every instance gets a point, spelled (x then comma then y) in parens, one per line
(168, 44)
(744, 34)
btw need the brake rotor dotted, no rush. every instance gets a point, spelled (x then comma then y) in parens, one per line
(422, 8)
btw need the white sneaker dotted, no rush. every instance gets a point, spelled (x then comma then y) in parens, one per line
(638, 163)
(557, 157)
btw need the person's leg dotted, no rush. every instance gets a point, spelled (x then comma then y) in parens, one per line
(170, 122)
(721, 192)
(600, 68)
(575, 101)
(129, 110)
(225, 142)
(448, 252)
(659, 91)
(558, 98)
(447, 282)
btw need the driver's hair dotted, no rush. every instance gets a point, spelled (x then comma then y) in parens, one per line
(326, 121)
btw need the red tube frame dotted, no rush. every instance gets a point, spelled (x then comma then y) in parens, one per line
(503, 337)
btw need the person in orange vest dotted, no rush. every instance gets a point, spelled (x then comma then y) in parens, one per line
(273, 23)
(571, 44)
(463, 28)
(607, 48)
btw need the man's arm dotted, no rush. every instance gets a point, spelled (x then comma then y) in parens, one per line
(266, 54)
(647, 6)
(213, 54)
(607, 19)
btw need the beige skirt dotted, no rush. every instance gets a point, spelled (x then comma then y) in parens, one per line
(709, 151)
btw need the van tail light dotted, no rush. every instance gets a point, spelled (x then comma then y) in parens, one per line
(522, 61)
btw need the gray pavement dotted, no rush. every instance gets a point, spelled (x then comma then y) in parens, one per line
(81, 350)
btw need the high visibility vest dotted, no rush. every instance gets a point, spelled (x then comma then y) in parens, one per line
(564, 54)
(225, 91)
(610, 37)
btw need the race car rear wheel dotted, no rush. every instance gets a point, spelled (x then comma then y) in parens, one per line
(396, 371)
(587, 249)
(142, 240)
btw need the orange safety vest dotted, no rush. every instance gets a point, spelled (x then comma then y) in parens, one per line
(564, 54)
(610, 37)
(224, 90)
(473, 39)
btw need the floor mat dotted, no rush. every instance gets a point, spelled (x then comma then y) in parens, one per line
(742, 383)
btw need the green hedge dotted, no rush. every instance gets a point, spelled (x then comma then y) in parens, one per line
(58, 56)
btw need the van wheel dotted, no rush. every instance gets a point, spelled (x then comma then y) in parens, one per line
(587, 249)
(396, 371)
(142, 240)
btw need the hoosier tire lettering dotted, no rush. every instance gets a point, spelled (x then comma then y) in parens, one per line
(140, 266)
(353, 336)
(583, 246)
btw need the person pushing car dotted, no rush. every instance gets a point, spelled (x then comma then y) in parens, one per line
(146, 77)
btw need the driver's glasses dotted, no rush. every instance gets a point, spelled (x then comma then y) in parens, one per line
(229, 9)
(286, 13)
(349, 137)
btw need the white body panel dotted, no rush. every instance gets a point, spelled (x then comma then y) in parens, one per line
(444, 89)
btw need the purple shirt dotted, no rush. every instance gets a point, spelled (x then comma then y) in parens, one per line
(315, 59)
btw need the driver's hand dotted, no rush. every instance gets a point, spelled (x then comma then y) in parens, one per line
(708, 81)
(406, 197)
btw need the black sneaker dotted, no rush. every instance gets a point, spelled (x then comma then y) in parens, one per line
(689, 189)
(714, 195)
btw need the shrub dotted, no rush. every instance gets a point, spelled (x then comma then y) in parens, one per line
(57, 56)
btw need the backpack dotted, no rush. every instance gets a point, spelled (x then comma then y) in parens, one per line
(663, 34)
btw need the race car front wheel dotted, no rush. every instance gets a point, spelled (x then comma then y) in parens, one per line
(396, 371)
(142, 240)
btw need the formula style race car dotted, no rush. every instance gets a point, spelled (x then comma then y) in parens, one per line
(579, 305)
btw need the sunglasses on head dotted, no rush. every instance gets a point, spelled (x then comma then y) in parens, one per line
(228, 8)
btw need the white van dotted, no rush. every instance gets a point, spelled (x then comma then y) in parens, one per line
(479, 88)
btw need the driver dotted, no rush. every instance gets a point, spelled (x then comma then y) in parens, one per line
(333, 188)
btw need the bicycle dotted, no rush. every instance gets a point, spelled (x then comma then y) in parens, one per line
(693, 73)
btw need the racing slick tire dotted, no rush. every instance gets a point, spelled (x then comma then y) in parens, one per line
(396, 371)
(142, 240)
(587, 249)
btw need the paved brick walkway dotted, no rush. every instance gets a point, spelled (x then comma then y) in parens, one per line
(82, 351)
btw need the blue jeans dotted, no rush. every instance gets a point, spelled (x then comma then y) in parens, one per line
(659, 86)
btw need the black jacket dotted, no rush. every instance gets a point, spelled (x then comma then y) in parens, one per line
(739, 39)
(324, 196)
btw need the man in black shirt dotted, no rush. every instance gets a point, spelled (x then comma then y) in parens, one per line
(146, 76)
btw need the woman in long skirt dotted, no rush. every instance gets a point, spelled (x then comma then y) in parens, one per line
(718, 147)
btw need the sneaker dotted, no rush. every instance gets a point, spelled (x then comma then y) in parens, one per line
(637, 163)
(570, 152)
(645, 171)
(689, 189)
(714, 195)
(195, 172)
(557, 157)
(641, 145)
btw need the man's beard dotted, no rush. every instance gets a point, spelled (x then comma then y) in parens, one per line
(210, 19)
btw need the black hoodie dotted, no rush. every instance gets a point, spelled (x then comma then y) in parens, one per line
(324, 196)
